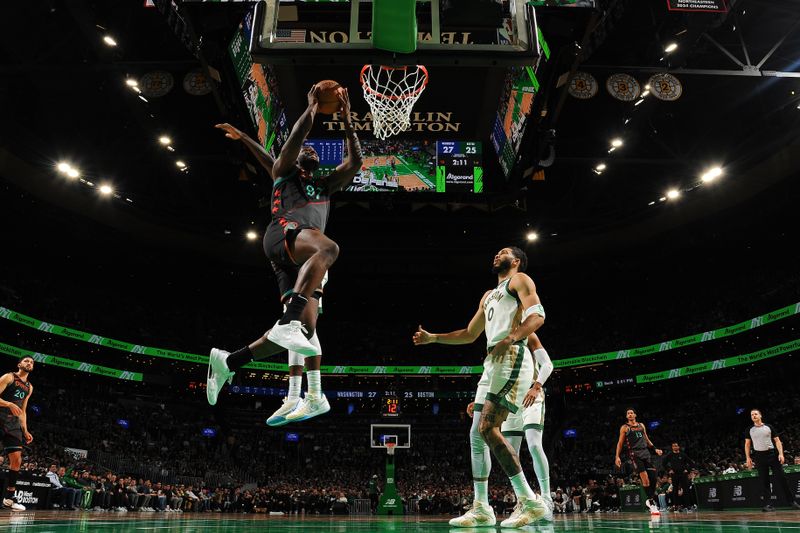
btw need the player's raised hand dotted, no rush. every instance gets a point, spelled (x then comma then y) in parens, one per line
(471, 409)
(230, 131)
(312, 96)
(422, 337)
(344, 103)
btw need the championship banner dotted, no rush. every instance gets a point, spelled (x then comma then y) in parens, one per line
(705, 6)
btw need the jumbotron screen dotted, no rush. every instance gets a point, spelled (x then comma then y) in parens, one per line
(408, 165)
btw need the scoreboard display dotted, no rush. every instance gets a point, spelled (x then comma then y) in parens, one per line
(458, 166)
(331, 153)
(390, 407)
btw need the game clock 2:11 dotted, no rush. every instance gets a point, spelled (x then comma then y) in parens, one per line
(390, 407)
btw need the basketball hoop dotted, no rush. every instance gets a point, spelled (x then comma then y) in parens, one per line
(390, 446)
(391, 93)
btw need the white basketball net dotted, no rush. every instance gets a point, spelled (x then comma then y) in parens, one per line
(391, 93)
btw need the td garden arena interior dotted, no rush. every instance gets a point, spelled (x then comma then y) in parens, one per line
(559, 238)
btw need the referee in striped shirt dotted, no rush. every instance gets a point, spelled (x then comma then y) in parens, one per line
(764, 441)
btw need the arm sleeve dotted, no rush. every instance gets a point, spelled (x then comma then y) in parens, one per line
(545, 365)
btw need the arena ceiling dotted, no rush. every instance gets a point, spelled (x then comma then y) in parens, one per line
(65, 98)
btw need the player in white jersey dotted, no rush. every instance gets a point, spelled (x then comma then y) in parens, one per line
(529, 422)
(508, 314)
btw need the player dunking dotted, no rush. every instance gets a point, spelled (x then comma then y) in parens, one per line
(299, 251)
(508, 314)
(296, 361)
(633, 436)
(15, 391)
(528, 423)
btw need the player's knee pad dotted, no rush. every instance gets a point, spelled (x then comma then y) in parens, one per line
(296, 359)
(314, 340)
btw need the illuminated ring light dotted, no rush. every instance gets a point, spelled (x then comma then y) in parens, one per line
(665, 87)
(623, 87)
(583, 86)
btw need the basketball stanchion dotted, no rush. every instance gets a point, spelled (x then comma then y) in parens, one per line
(390, 502)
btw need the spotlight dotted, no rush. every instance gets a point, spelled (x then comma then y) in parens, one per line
(165, 140)
(671, 47)
(109, 40)
(638, 102)
(252, 235)
(616, 143)
(63, 167)
(673, 193)
(645, 93)
(106, 189)
(711, 174)
(652, 203)
(180, 164)
(73, 173)
(601, 167)
(130, 82)
(532, 236)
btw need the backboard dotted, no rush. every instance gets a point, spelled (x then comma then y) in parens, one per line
(449, 32)
(398, 434)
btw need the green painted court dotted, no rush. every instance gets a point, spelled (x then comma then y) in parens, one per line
(52, 521)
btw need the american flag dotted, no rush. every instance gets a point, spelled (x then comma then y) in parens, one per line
(290, 36)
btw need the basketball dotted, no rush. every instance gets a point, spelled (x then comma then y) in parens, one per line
(328, 96)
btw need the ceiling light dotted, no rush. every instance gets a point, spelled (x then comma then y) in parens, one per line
(711, 174)
(63, 167)
(616, 143)
(128, 200)
(645, 93)
(532, 236)
(627, 120)
(130, 82)
(73, 173)
(647, 87)
(652, 203)
(662, 198)
(611, 149)
(165, 140)
(109, 40)
(106, 189)
(638, 102)
(180, 164)
(601, 167)
(170, 148)
(142, 98)
(673, 193)
(252, 235)
(671, 47)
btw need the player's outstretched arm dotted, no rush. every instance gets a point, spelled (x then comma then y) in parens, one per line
(291, 148)
(344, 173)
(461, 336)
(258, 151)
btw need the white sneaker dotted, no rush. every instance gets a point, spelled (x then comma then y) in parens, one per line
(278, 418)
(527, 511)
(479, 514)
(548, 503)
(11, 504)
(218, 374)
(652, 507)
(291, 336)
(309, 407)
